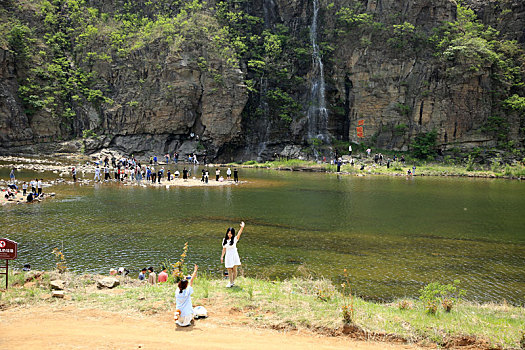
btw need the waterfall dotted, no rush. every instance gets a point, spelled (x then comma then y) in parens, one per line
(269, 13)
(317, 113)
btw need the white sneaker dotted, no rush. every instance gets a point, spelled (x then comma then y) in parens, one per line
(229, 285)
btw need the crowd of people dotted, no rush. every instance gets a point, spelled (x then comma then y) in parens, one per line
(130, 169)
(29, 195)
(378, 158)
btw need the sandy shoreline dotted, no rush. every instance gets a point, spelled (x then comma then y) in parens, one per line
(85, 168)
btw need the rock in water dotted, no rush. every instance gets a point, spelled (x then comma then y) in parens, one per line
(57, 285)
(108, 282)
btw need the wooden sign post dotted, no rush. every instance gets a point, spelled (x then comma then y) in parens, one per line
(8, 251)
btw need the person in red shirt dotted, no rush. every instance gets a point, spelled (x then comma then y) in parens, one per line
(163, 276)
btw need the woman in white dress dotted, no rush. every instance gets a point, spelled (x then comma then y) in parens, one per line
(229, 248)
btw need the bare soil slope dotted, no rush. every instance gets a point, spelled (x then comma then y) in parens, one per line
(69, 327)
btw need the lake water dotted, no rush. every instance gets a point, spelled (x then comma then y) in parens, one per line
(393, 234)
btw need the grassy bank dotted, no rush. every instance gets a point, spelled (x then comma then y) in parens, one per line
(290, 304)
(397, 168)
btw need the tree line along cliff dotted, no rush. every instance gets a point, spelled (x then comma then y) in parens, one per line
(234, 79)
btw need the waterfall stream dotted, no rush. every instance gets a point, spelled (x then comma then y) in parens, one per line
(317, 113)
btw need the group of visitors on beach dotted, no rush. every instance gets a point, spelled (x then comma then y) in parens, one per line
(130, 169)
(185, 313)
(206, 175)
(13, 189)
(378, 158)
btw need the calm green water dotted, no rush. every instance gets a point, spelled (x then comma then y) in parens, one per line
(393, 234)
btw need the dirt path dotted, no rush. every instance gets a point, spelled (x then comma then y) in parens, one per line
(72, 328)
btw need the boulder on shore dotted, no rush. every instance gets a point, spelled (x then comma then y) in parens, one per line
(58, 294)
(31, 275)
(107, 282)
(57, 284)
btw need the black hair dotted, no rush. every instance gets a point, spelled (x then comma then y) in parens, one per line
(144, 269)
(150, 269)
(232, 230)
(183, 284)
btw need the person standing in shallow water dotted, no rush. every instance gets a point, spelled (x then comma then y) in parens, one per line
(235, 175)
(229, 255)
(12, 176)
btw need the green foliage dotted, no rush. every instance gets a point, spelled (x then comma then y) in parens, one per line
(468, 47)
(434, 294)
(353, 17)
(316, 142)
(470, 162)
(496, 126)
(282, 104)
(424, 145)
(406, 37)
(400, 129)
(20, 39)
(516, 103)
(88, 134)
(403, 109)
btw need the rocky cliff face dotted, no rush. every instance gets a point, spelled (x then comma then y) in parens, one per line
(161, 96)
(158, 106)
(400, 94)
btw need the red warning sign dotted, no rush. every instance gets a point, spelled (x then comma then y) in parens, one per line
(361, 122)
(8, 249)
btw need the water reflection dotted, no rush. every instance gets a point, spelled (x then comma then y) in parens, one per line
(393, 235)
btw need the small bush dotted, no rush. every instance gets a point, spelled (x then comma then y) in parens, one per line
(60, 260)
(347, 309)
(325, 293)
(435, 293)
(405, 305)
(88, 134)
(424, 145)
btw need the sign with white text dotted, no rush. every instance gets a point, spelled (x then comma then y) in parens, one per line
(8, 249)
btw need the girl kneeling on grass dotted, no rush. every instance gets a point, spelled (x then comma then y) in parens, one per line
(183, 301)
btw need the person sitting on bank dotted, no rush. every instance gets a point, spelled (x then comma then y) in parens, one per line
(122, 271)
(142, 274)
(9, 193)
(163, 276)
(152, 278)
(183, 300)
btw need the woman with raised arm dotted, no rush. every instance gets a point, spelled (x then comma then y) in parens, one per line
(229, 248)
(184, 308)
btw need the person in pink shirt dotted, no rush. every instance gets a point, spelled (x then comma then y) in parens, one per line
(163, 276)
